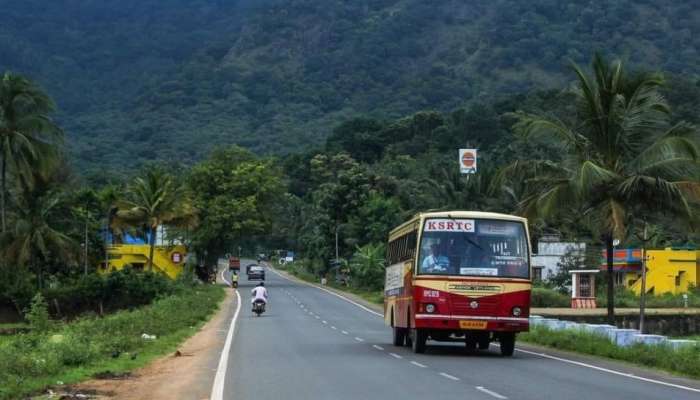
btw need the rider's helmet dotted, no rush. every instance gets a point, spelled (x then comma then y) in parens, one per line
(261, 284)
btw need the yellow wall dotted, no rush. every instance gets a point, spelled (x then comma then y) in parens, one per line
(134, 254)
(668, 271)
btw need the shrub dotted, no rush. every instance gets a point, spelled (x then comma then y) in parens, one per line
(38, 314)
(543, 297)
(123, 289)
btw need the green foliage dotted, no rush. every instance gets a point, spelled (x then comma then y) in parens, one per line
(38, 314)
(685, 361)
(177, 81)
(628, 299)
(236, 194)
(367, 267)
(30, 362)
(28, 137)
(545, 297)
(118, 290)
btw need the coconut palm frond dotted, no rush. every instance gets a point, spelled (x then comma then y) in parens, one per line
(529, 126)
(592, 176)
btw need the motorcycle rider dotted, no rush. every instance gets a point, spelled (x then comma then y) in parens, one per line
(234, 279)
(259, 293)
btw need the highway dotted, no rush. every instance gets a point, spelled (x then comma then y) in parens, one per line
(311, 344)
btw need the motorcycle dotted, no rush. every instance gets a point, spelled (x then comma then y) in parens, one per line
(258, 307)
(234, 284)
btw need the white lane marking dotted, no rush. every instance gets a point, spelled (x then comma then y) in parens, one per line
(317, 317)
(395, 355)
(491, 393)
(378, 347)
(610, 371)
(333, 293)
(448, 376)
(344, 332)
(324, 322)
(417, 364)
(217, 391)
(224, 278)
(359, 339)
(333, 327)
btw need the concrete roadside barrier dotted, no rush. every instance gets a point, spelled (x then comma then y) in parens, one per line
(649, 339)
(622, 337)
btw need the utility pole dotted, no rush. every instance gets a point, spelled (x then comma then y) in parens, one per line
(643, 294)
(85, 255)
(336, 242)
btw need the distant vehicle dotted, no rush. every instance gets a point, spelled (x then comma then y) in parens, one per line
(290, 257)
(234, 263)
(458, 275)
(262, 257)
(256, 272)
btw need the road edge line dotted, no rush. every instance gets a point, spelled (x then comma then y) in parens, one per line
(327, 291)
(217, 391)
(610, 371)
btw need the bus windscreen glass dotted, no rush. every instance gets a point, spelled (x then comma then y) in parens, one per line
(474, 247)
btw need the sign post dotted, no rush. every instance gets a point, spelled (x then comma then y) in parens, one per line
(467, 161)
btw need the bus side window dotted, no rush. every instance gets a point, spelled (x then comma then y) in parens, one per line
(412, 238)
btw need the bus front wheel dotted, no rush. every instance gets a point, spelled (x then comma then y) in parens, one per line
(399, 336)
(507, 341)
(420, 337)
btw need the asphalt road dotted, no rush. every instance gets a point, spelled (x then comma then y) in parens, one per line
(313, 345)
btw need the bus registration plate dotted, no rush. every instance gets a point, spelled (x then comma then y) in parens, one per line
(473, 324)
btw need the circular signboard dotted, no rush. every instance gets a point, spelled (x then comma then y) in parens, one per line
(468, 159)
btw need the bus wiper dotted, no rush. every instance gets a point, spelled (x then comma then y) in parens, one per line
(467, 239)
(474, 243)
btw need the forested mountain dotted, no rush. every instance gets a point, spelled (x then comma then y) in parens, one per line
(152, 79)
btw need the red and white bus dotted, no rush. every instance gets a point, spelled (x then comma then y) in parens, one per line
(458, 276)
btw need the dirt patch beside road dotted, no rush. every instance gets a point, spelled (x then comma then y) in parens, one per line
(188, 375)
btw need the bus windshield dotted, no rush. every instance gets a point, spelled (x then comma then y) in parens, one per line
(474, 247)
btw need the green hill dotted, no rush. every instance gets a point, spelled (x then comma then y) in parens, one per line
(148, 79)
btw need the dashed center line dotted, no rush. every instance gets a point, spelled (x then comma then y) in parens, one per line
(417, 364)
(325, 322)
(317, 317)
(448, 376)
(395, 355)
(378, 347)
(334, 328)
(359, 339)
(490, 393)
(344, 332)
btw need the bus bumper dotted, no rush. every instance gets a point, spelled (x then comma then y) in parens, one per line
(472, 323)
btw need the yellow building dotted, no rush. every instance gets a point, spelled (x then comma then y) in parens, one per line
(169, 260)
(668, 271)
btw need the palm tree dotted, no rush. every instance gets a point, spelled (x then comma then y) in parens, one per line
(620, 157)
(28, 137)
(35, 237)
(152, 201)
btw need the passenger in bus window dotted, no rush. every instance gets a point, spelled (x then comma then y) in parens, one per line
(436, 261)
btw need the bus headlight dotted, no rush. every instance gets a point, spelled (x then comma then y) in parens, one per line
(517, 311)
(430, 308)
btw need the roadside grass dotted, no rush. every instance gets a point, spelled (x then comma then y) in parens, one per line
(32, 362)
(684, 361)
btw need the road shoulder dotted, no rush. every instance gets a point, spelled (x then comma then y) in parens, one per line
(184, 376)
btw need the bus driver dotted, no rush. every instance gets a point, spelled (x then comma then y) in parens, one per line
(435, 262)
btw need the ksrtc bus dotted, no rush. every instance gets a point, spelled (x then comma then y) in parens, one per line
(458, 276)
